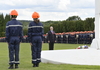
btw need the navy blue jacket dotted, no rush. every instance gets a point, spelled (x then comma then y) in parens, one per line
(35, 29)
(13, 28)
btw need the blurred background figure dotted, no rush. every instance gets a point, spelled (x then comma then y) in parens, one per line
(51, 38)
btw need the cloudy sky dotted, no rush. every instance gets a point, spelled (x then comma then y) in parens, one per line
(49, 9)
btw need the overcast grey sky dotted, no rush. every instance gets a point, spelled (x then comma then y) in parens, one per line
(49, 9)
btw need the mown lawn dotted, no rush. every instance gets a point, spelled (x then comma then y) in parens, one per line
(25, 58)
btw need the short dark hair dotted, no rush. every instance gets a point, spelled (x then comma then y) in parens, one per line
(13, 16)
(36, 20)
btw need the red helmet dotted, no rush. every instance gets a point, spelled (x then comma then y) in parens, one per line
(14, 12)
(35, 15)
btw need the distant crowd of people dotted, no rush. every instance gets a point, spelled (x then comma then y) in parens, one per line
(81, 37)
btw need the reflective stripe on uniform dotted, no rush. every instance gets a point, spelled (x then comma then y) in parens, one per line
(13, 26)
(35, 26)
(11, 61)
(16, 61)
(34, 60)
(38, 58)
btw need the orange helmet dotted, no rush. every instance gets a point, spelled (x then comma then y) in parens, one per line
(35, 15)
(14, 12)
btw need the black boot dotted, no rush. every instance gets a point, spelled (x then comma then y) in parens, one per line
(34, 65)
(16, 66)
(11, 67)
(37, 65)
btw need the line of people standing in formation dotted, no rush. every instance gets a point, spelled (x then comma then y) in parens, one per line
(84, 37)
(14, 36)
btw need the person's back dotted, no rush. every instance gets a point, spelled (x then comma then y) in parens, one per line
(14, 36)
(35, 37)
(15, 27)
(37, 28)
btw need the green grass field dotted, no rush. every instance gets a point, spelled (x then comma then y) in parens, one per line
(25, 58)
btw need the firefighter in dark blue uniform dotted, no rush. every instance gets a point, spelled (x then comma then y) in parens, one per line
(59, 38)
(13, 37)
(64, 38)
(35, 36)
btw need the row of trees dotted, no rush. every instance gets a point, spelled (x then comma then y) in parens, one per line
(3, 21)
(73, 23)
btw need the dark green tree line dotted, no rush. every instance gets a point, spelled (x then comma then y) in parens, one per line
(1, 25)
(71, 24)
(3, 21)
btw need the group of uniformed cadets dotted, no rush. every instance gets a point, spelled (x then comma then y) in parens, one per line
(14, 36)
(84, 37)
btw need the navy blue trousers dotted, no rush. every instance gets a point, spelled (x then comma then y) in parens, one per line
(14, 50)
(36, 49)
